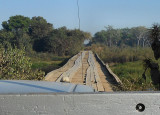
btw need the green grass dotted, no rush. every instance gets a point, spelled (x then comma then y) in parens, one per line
(128, 69)
(47, 63)
(130, 74)
(122, 55)
(41, 64)
(128, 65)
(45, 66)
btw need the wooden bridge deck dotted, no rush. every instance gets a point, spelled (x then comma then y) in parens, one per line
(84, 68)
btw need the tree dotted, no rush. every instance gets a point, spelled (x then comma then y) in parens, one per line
(15, 31)
(41, 45)
(140, 34)
(100, 37)
(39, 35)
(6, 36)
(40, 28)
(137, 36)
(126, 37)
(155, 35)
(17, 23)
(148, 63)
(40, 31)
(23, 40)
(109, 37)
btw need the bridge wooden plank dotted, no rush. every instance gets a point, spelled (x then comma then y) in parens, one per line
(95, 79)
(70, 72)
(88, 77)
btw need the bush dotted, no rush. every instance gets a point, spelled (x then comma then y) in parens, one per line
(126, 62)
(130, 74)
(15, 65)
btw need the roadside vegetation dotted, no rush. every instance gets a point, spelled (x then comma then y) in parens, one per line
(130, 74)
(127, 64)
(14, 64)
(126, 51)
(47, 61)
(32, 47)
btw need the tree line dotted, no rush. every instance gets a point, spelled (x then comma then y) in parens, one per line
(36, 34)
(136, 36)
(22, 35)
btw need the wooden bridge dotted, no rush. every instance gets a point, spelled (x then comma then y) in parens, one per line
(87, 69)
(54, 98)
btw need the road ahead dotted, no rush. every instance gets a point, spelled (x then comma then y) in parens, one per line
(84, 68)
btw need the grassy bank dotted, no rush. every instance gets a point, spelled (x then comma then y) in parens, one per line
(122, 54)
(47, 62)
(127, 64)
(46, 66)
(130, 74)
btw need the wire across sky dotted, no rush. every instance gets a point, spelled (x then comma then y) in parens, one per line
(94, 15)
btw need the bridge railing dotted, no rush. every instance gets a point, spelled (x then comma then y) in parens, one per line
(106, 66)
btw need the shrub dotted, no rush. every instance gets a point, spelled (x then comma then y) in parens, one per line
(15, 65)
(130, 74)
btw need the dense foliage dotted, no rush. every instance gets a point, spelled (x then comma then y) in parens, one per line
(49, 48)
(15, 65)
(36, 38)
(127, 64)
(136, 36)
(38, 35)
(149, 63)
(120, 46)
(130, 74)
(155, 36)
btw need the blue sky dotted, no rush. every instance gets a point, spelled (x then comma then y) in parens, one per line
(94, 14)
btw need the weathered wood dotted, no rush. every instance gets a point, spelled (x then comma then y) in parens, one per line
(94, 77)
(113, 76)
(51, 75)
(94, 73)
(71, 71)
(88, 77)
